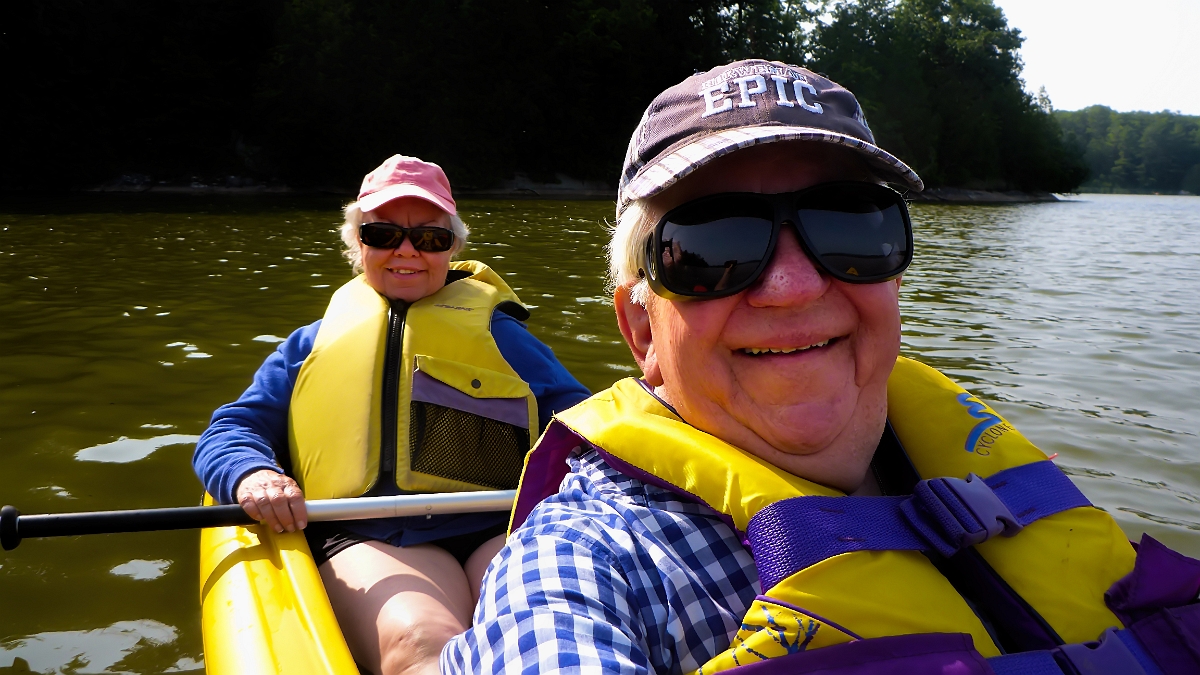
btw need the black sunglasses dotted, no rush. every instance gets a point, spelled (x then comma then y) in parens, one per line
(425, 238)
(719, 245)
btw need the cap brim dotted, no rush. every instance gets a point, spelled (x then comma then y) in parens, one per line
(664, 172)
(391, 192)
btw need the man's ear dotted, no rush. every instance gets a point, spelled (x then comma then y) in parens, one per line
(634, 322)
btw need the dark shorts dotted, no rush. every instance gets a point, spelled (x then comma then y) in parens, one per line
(327, 539)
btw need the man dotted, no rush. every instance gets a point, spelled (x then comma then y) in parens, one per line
(773, 487)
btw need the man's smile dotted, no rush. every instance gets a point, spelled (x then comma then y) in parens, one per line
(766, 351)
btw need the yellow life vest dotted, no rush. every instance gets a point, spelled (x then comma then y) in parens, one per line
(411, 397)
(1061, 565)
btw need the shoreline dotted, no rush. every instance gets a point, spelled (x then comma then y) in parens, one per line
(567, 190)
(520, 186)
(967, 196)
(551, 192)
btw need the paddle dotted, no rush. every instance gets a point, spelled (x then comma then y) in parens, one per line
(14, 527)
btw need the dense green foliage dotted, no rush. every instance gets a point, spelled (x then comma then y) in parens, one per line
(1137, 151)
(93, 89)
(315, 92)
(939, 81)
(484, 87)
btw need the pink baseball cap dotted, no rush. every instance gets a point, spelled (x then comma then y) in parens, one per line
(402, 176)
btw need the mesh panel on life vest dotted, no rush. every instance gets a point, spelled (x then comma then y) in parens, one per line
(453, 444)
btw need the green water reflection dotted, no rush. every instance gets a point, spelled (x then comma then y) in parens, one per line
(123, 323)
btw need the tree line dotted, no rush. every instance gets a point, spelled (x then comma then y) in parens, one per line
(316, 92)
(1136, 151)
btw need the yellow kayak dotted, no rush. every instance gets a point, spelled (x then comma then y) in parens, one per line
(264, 609)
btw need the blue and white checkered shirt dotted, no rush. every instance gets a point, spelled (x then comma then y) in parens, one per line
(612, 575)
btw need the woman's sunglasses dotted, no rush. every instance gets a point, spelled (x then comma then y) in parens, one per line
(719, 245)
(426, 239)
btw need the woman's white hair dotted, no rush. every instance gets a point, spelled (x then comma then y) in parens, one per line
(625, 251)
(354, 218)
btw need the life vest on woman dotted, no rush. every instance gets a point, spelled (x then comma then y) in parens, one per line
(398, 397)
(840, 572)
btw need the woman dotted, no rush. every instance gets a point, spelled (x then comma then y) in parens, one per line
(420, 378)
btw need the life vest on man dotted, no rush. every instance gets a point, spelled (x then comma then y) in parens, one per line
(843, 577)
(398, 397)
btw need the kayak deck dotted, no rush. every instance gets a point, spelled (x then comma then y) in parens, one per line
(264, 608)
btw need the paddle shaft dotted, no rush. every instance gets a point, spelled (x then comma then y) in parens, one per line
(14, 527)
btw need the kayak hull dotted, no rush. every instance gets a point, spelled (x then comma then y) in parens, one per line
(264, 608)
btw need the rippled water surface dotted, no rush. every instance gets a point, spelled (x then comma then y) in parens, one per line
(123, 323)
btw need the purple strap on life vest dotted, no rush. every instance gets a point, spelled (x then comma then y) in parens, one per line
(1025, 663)
(942, 653)
(1172, 638)
(1115, 653)
(944, 515)
(951, 514)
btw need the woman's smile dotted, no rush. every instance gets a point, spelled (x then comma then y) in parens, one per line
(401, 271)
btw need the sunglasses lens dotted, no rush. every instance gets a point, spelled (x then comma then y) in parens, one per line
(713, 247)
(431, 239)
(387, 235)
(380, 235)
(857, 232)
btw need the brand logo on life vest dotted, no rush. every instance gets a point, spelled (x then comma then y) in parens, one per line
(775, 634)
(461, 309)
(984, 434)
(751, 81)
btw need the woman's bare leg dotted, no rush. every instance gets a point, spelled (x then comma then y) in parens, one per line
(398, 606)
(477, 565)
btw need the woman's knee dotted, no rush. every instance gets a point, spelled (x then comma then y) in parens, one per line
(411, 643)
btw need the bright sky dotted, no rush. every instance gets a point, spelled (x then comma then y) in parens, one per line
(1125, 54)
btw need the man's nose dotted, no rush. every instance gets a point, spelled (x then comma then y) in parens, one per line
(791, 278)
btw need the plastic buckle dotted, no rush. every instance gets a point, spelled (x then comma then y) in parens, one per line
(986, 506)
(951, 514)
(1111, 656)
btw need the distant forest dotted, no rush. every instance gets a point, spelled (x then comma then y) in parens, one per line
(1136, 151)
(314, 93)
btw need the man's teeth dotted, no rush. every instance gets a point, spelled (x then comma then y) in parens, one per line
(756, 351)
(405, 271)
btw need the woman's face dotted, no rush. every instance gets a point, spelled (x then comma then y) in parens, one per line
(404, 273)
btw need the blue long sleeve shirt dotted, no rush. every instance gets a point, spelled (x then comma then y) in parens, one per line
(246, 435)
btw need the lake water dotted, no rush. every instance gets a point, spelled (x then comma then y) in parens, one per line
(125, 322)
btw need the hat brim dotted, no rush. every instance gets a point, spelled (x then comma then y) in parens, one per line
(667, 170)
(391, 192)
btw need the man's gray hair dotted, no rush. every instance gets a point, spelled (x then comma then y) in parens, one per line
(354, 218)
(625, 250)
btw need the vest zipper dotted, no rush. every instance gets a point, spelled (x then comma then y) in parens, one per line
(385, 483)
